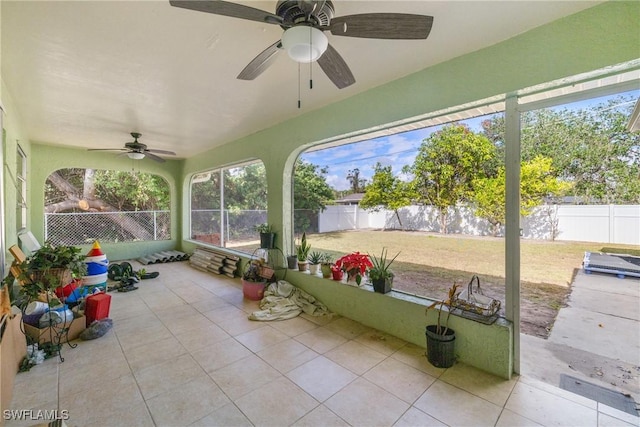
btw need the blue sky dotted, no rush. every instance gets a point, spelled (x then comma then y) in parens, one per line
(396, 150)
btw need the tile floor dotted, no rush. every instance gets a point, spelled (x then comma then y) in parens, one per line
(183, 353)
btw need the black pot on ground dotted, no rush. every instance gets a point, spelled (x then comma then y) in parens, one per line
(382, 286)
(267, 240)
(440, 348)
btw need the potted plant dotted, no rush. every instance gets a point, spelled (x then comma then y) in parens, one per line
(325, 265)
(267, 236)
(302, 250)
(253, 281)
(355, 265)
(315, 258)
(336, 272)
(441, 338)
(50, 267)
(380, 274)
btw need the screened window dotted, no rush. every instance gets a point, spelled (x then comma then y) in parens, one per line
(83, 205)
(227, 204)
(21, 184)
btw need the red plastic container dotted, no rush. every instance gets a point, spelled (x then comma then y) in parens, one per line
(253, 290)
(97, 307)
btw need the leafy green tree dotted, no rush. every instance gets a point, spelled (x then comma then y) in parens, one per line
(132, 191)
(537, 181)
(386, 192)
(447, 163)
(245, 187)
(357, 184)
(311, 193)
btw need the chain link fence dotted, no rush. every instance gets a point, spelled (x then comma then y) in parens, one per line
(110, 227)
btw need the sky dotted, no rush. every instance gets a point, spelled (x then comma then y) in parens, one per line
(396, 150)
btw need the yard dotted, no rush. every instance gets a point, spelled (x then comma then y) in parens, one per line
(429, 263)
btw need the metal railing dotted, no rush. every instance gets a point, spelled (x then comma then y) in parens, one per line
(108, 227)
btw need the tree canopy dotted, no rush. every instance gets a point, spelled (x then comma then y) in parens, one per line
(386, 191)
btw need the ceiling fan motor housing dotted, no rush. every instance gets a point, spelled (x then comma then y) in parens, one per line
(291, 14)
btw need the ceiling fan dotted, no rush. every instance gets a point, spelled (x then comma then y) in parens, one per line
(137, 151)
(305, 22)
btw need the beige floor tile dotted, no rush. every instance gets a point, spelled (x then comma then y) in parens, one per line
(136, 416)
(287, 355)
(355, 357)
(106, 398)
(158, 301)
(321, 340)
(193, 401)
(511, 419)
(192, 293)
(225, 312)
(414, 356)
(489, 387)
(293, 327)
(138, 337)
(415, 417)
(87, 353)
(210, 303)
(616, 413)
(148, 355)
(25, 420)
(549, 409)
(37, 386)
(220, 354)
(261, 338)
(259, 404)
(605, 420)
(167, 376)
(592, 404)
(363, 403)
(321, 377)
(88, 375)
(171, 315)
(240, 325)
(454, 406)
(347, 328)
(243, 376)
(141, 320)
(399, 379)
(320, 320)
(185, 323)
(198, 337)
(381, 342)
(228, 415)
(321, 417)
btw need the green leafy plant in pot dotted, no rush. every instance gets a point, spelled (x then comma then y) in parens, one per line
(49, 267)
(267, 236)
(302, 251)
(325, 265)
(380, 274)
(441, 338)
(253, 280)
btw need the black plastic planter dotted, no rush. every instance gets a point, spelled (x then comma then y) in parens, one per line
(267, 240)
(440, 348)
(381, 286)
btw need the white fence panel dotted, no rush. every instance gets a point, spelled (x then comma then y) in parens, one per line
(626, 224)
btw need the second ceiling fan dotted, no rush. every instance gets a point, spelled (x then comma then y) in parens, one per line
(305, 22)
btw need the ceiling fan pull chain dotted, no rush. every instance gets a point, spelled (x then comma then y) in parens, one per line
(310, 56)
(299, 103)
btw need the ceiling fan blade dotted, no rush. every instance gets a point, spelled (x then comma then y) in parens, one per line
(106, 149)
(335, 68)
(260, 62)
(168, 153)
(226, 8)
(154, 157)
(399, 26)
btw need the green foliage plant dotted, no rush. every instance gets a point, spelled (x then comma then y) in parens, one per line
(315, 257)
(386, 192)
(264, 228)
(441, 329)
(302, 250)
(381, 264)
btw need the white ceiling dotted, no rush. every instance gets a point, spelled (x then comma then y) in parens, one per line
(86, 73)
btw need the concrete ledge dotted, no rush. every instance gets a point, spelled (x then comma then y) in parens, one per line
(486, 347)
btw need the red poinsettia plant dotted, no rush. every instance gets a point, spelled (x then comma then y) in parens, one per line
(355, 264)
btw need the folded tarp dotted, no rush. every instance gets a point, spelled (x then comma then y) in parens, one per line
(283, 301)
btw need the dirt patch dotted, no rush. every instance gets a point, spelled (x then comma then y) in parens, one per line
(539, 302)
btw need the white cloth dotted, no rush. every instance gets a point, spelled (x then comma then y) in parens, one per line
(283, 301)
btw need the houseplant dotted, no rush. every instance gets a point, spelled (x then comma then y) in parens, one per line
(355, 265)
(267, 236)
(325, 265)
(315, 258)
(441, 338)
(49, 267)
(380, 274)
(302, 250)
(253, 281)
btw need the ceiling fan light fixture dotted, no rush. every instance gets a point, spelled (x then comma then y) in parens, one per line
(304, 44)
(135, 156)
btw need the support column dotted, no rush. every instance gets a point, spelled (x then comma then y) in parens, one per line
(512, 222)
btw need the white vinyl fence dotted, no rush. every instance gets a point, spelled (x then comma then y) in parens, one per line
(588, 223)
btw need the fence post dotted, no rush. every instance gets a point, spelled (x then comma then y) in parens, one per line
(612, 222)
(46, 227)
(155, 225)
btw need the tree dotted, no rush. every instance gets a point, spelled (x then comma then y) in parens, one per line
(357, 184)
(311, 193)
(386, 192)
(447, 163)
(537, 181)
